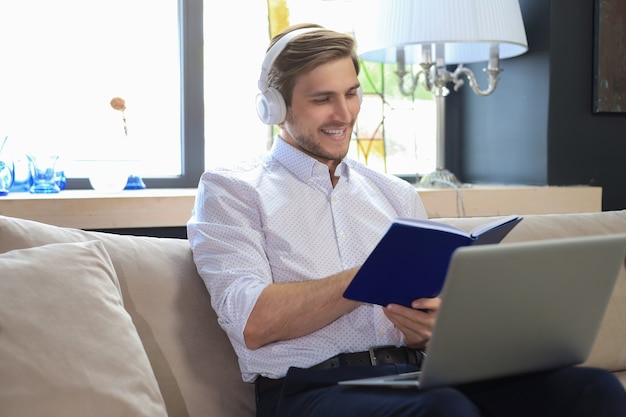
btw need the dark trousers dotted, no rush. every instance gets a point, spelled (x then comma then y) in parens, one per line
(569, 392)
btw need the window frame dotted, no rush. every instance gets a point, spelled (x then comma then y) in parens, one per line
(190, 15)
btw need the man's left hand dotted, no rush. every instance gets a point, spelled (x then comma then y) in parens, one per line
(416, 322)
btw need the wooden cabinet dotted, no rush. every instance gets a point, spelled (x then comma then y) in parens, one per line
(474, 201)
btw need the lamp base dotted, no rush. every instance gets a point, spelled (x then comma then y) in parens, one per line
(441, 178)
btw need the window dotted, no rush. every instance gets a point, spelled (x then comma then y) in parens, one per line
(188, 71)
(63, 61)
(234, 46)
(394, 134)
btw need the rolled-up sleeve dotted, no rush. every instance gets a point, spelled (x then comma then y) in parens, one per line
(226, 238)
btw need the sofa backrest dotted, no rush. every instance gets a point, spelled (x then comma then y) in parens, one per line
(192, 359)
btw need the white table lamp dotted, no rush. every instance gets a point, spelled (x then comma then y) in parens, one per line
(437, 33)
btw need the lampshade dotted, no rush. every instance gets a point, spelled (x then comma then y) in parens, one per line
(467, 28)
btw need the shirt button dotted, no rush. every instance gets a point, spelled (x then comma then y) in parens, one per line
(342, 235)
(381, 332)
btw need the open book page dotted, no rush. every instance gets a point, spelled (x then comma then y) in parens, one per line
(432, 225)
(480, 229)
(474, 233)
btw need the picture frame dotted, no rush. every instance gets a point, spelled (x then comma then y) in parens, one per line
(609, 92)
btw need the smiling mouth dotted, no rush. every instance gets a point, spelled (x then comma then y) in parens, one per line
(334, 132)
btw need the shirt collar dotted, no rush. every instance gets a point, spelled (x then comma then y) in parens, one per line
(300, 164)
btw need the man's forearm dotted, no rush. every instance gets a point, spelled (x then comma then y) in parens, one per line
(289, 310)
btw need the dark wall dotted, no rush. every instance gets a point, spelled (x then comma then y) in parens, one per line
(538, 127)
(584, 147)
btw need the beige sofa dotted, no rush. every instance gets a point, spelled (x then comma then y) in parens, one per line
(68, 346)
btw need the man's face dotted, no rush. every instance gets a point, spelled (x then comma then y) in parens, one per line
(323, 111)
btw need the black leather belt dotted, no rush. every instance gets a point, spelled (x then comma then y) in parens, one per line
(375, 356)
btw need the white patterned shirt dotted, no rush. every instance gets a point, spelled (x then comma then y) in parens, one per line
(279, 219)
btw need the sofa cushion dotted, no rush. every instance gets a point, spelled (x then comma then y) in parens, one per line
(193, 361)
(609, 350)
(67, 345)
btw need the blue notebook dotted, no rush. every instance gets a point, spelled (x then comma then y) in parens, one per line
(411, 259)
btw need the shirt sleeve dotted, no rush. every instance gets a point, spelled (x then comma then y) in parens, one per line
(408, 202)
(226, 239)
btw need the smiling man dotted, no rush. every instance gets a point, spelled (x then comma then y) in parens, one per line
(277, 240)
(325, 103)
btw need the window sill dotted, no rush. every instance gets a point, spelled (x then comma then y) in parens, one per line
(88, 209)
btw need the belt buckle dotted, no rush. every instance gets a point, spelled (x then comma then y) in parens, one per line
(393, 352)
(372, 352)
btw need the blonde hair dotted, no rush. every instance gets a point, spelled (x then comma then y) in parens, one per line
(306, 52)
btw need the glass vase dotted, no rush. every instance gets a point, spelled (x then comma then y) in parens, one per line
(135, 182)
(22, 174)
(6, 169)
(6, 176)
(43, 174)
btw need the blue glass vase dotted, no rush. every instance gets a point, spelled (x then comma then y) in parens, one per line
(43, 174)
(134, 183)
(22, 174)
(6, 169)
(6, 176)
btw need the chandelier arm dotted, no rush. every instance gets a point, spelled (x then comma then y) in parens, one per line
(436, 84)
(461, 70)
(414, 82)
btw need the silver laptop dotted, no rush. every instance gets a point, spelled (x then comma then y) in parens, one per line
(517, 308)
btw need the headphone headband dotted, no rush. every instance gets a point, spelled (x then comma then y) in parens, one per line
(270, 104)
(275, 50)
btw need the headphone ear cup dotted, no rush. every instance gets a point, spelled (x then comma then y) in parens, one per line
(271, 107)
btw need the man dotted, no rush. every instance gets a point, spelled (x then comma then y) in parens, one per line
(278, 240)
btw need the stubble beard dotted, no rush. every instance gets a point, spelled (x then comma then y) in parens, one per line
(312, 147)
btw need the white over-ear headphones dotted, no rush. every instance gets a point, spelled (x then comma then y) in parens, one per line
(270, 104)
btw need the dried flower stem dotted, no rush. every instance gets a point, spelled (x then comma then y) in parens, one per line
(119, 103)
